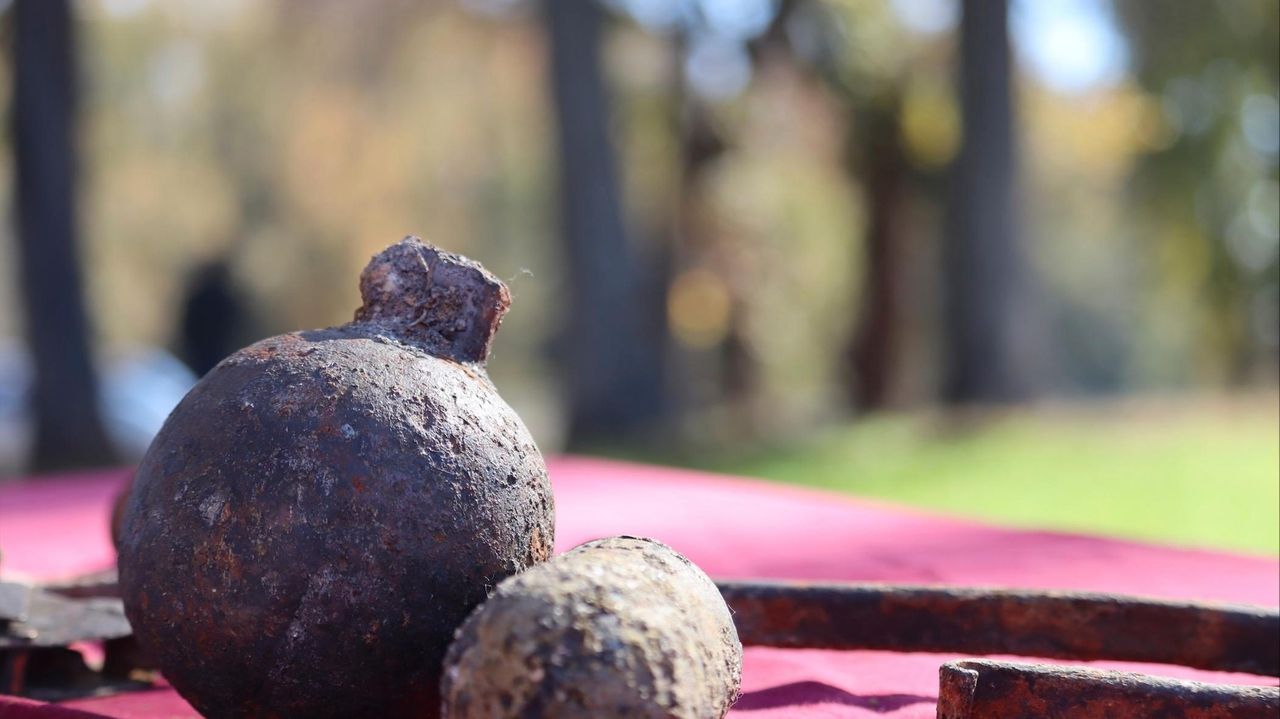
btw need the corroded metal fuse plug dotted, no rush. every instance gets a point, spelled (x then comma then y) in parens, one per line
(324, 508)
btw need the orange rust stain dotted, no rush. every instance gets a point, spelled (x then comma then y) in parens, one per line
(539, 548)
(792, 614)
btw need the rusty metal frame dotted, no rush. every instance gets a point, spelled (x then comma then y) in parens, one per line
(34, 657)
(1058, 625)
(907, 618)
(15, 601)
(976, 688)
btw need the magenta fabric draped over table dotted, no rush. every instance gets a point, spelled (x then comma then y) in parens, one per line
(733, 528)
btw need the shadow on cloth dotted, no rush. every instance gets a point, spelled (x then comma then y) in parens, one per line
(799, 693)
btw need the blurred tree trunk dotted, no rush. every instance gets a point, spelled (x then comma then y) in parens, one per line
(872, 353)
(984, 270)
(69, 429)
(699, 144)
(614, 344)
(873, 152)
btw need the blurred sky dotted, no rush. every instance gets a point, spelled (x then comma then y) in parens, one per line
(1071, 45)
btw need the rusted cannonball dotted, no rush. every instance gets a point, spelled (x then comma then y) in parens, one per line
(622, 627)
(324, 508)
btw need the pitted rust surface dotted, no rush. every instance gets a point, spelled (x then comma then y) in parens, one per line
(324, 508)
(1063, 625)
(977, 689)
(623, 628)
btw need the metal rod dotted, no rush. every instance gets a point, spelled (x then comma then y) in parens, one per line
(55, 621)
(1060, 625)
(102, 584)
(1000, 690)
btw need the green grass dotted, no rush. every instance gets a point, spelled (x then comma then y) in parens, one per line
(1202, 473)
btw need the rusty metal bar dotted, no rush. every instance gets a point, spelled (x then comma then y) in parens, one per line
(15, 600)
(100, 585)
(55, 621)
(976, 688)
(35, 658)
(1060, 625)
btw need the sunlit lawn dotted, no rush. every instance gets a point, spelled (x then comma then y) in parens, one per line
(1199, 473)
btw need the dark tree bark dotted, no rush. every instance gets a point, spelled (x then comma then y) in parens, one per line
(614, 342)
(69, 429)
(873, 352)
(984, 272)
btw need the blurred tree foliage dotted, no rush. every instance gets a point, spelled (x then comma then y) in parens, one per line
(1206, 192)
(763, 162)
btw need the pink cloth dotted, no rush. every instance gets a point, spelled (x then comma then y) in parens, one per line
(733, 528)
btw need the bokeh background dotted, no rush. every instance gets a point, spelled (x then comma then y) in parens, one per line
(1012, 260)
